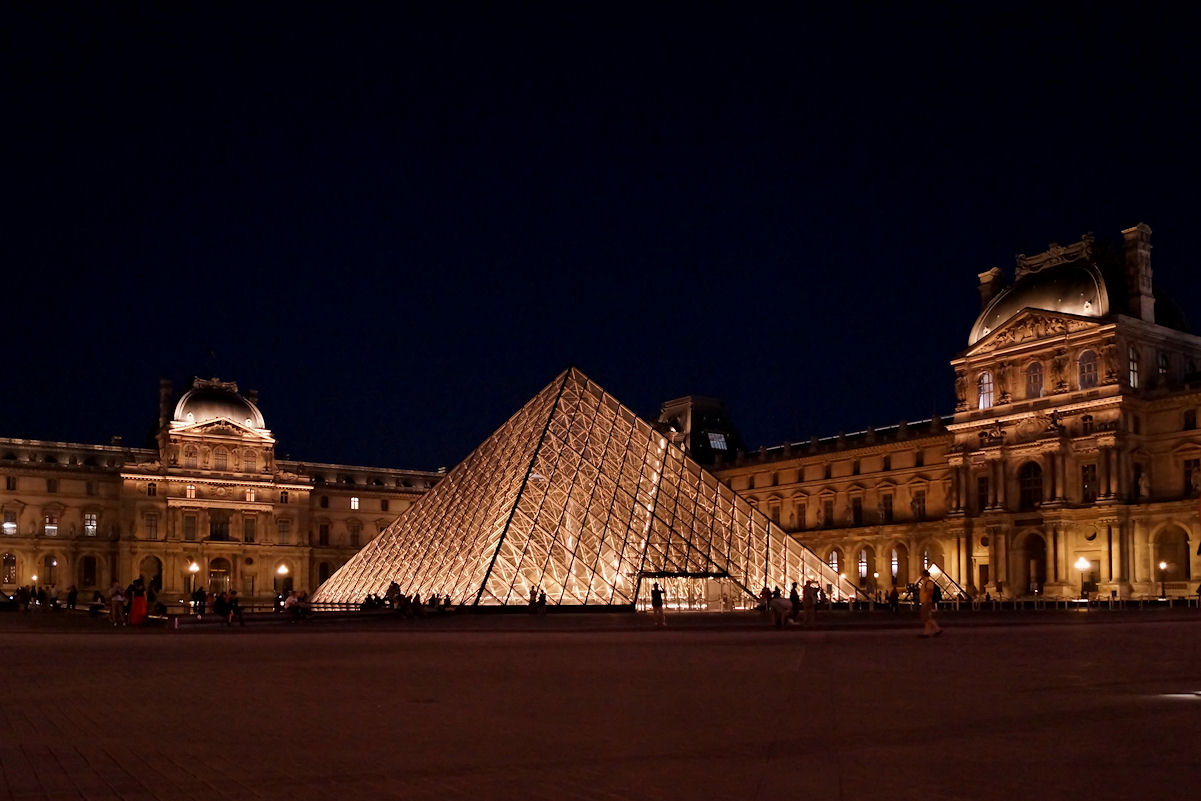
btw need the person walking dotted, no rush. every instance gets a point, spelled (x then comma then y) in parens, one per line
(657, 606)
(794, 598)
(926, 590)
(116, 604)
(809, 601)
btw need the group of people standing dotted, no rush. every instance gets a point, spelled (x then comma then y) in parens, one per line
(43, 597)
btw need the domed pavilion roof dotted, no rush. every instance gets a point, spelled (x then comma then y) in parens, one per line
(213, 399)
(1077, 288)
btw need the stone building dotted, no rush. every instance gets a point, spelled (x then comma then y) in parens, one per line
(1071, 463)
(211, 504)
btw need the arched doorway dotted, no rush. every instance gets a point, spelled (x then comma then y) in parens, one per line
(1030, 486)
(899, 565)
(8, 569)
(1171, 549)
(49, 571)
(219, 575)
(1034, 563)
(283, 578)
(89, 571)
(932, 555)
(835, 561)
(151, 571)
(865, 567)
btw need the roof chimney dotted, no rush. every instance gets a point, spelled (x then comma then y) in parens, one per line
(164, 403)
(990, 285)
(1138, 272)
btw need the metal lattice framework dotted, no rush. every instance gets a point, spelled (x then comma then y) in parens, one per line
(578, 496)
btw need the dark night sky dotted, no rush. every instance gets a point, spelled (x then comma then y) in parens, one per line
(399, 223)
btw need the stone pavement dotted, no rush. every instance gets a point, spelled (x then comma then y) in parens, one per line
(604, 707)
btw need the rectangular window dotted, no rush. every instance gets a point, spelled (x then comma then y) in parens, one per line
(323, 534)
(801, 510)
(152, 527)
(774, 510)
(354, 503)
(283, 496)
(855, 467)
(52, 485)
(1088, 483)
(887, 462)
(919, 505)
(981, 494)
(89, 571)
(10, 522)
(248, 529)
(189, 528)
(717, 441)
(383, 505)
(10, 483)
(190, 492)
(886, 509)
(857, 510)
(220, 459)
(284, 527)
(356, 532)
(1190, 420)
(919, 459)
(828, 510)
(89, 524)
(1132, 355)
(151, 489)
(248, 461)
(250, 495)
(92, 488)
(324, 502)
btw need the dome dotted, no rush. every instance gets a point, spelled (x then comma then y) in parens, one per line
(217, 400)
(1076, 288)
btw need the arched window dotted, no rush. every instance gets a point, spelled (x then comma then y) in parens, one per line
(896, 564)
(833, 559)
(1087, 364)
(87, 571)
(1030, 486)
(984, 390)
(863, 564)
(1171, 549)
(1034, 381)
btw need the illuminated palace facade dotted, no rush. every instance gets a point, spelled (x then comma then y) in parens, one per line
(210, 505)
(1072, 461)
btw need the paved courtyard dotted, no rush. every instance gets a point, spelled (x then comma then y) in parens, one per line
(604, 707)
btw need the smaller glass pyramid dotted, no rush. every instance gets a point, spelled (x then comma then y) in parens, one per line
(580, 498)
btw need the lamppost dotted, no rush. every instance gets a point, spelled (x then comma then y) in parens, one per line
(1082, 564)
(875, 585)
(193, 569)
(1163, 572)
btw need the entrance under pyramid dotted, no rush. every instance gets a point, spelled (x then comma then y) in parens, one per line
(578, 497)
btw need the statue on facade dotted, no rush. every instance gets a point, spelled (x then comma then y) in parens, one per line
(1110, 357)
(960, 391)
(1059, 370)
(1144, 487)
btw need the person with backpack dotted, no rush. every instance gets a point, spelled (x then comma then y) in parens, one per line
(927, 590)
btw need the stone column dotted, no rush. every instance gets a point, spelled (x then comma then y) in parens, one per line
(1060, 460)
(956, 486)
(1048, 477)
(998, 482)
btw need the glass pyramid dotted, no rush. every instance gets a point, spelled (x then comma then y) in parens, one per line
(577, 496)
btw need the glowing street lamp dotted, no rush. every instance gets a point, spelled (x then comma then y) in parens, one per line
(193, 569)
(1163, 572)
(282, 570)
(1082, 564)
